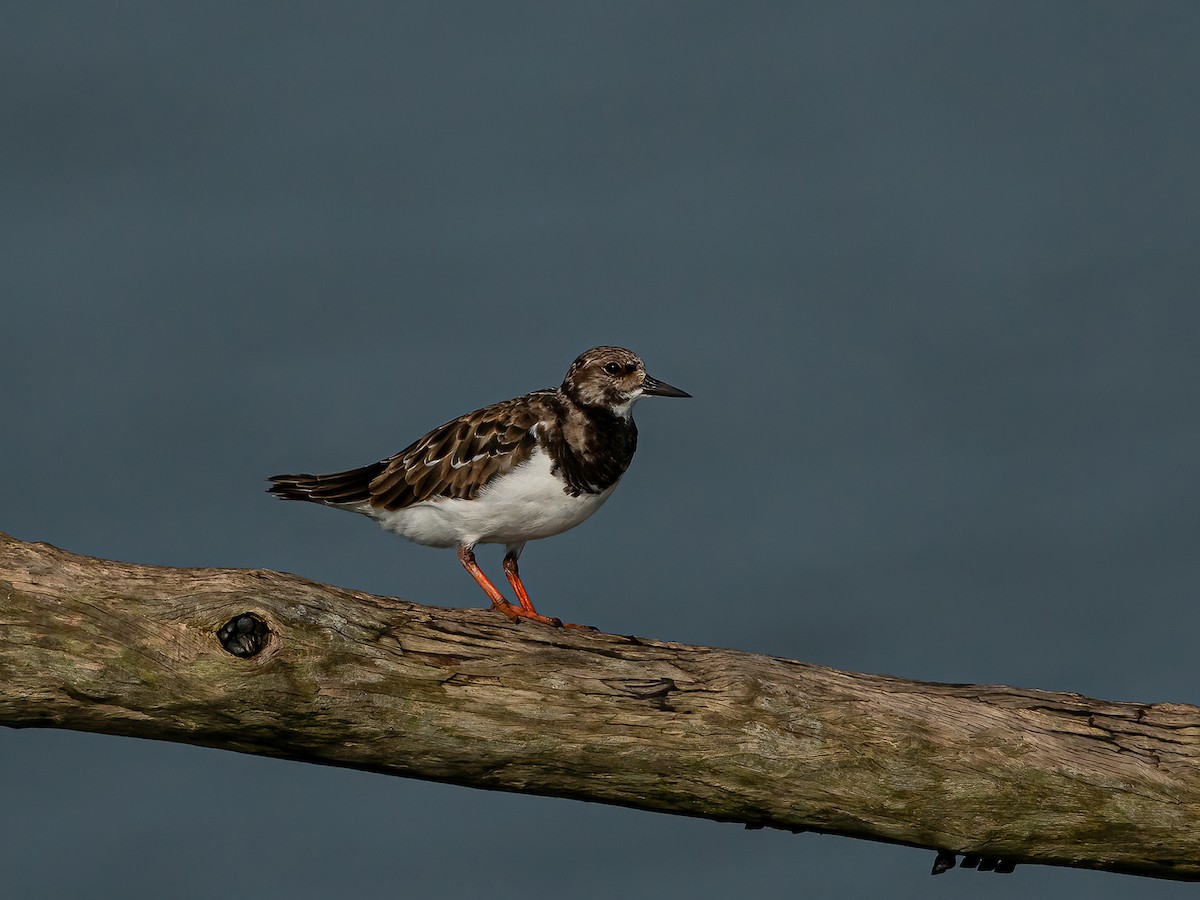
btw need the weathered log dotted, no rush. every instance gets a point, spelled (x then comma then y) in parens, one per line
(263, 662)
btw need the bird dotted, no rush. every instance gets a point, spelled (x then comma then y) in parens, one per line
(513, 472)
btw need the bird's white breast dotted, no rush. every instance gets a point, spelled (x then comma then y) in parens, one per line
(525, 504)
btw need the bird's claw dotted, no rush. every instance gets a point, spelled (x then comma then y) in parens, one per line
(579, 627)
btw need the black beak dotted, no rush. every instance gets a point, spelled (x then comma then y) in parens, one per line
(652, 387)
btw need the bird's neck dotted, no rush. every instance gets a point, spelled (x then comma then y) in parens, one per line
(591, 445)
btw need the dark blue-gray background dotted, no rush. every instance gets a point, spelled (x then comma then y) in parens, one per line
(929, 269)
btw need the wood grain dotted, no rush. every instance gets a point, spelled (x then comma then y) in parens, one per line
(464, 696)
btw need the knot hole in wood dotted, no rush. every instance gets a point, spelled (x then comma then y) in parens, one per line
(244, 635)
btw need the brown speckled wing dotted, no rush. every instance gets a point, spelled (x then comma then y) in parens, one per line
(457, 459)
(454, 460)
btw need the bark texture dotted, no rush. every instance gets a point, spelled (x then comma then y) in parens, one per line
(464, 696)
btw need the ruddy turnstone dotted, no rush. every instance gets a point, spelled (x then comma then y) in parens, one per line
(509, 473)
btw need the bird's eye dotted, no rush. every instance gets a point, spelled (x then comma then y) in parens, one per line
(612, 368)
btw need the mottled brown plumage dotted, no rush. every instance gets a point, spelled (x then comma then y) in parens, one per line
(589, 444)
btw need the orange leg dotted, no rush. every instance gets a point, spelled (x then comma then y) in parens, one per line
(514, 578)
(466, 556)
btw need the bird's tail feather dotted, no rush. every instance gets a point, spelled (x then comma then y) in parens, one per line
(350, 487)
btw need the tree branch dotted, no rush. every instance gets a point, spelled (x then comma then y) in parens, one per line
(326, 675)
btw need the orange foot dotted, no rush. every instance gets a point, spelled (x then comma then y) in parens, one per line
(516, 613)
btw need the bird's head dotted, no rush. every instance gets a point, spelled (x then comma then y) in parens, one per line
(613, 378)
